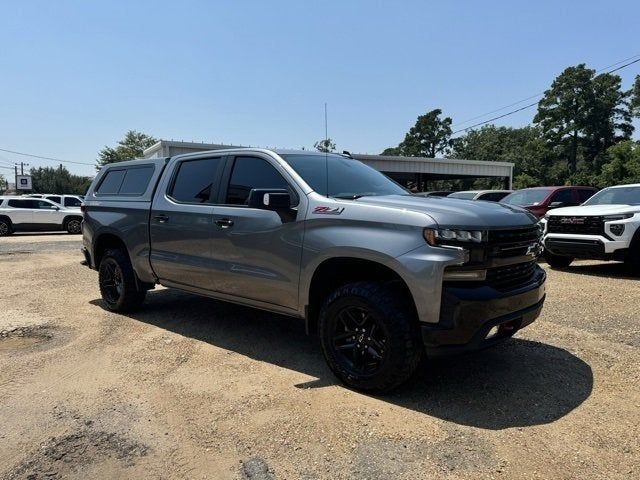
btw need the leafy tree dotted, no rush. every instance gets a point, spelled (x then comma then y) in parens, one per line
(524, 147)
(325, 145)
(622, 166)
(58, 180)
(130, 147)
(583, 114)
(635, 97)
(429, 136)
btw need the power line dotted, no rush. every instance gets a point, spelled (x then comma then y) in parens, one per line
(45, 158)
(535, 103)
(542, 93)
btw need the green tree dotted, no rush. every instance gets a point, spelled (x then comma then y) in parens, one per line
(429, 136)
(130, 147)
(622, 165)
(583, 114)
(635, 97)
(524, 147)
(325, 145)
(58, 180)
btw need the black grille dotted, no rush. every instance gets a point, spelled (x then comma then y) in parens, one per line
(511, 276)
(527, 234)
(576, 225)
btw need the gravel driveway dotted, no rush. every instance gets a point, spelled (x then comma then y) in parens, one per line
(195, 388)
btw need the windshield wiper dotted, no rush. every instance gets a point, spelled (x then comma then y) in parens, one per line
(355, 196)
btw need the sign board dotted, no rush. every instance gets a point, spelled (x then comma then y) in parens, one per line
(23, 182)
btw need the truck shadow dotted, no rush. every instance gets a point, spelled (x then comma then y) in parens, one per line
(517, 384)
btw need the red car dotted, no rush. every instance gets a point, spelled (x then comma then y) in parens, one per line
(540, 199)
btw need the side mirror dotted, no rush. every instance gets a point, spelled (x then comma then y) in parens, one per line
(556, 204)
(269, 199)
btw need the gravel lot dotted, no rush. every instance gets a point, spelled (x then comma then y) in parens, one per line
(194, 388)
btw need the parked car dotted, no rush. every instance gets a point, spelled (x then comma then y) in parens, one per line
(539, 200)
(36, 214)
(68, 201)
(380, 274)
(435, 193)
(605, 227)
(487, 195)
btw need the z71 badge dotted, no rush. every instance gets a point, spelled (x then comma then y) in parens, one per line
(328, 210)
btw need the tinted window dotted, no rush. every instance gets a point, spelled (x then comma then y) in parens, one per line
(492, 196)
(42, 205)
(111, 182)
(347, 178)
(463, 195)
(529, 196)
(23, 203)
(196, 180)
(584, 195)
(564, 196)
(135, 181)
(616, 196)
(54, 199)
(251, 172)
(72, 202)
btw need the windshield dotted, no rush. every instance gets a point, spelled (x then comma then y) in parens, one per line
(616, 196)
(532, 196)
(347, 178)
(464, 195)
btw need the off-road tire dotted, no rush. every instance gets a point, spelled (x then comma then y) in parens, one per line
(394, 314)
(126, 296)
(73, 225)
(632, 262)
(557, 261)
(5, 227)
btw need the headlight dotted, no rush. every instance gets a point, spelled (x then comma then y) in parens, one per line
(435, 236)
(622, 216)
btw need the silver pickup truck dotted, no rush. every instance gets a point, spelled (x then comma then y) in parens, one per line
(382, 276)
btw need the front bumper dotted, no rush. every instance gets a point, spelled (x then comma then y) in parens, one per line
(468, 315)
(586, 246)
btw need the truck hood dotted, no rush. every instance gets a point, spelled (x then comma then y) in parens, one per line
(594, 210)
(457, 212)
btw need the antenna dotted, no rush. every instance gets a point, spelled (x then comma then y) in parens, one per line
(326, 146)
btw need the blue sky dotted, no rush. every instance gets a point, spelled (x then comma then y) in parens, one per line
(74, 76)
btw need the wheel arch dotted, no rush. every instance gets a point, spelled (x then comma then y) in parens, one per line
(331, 273)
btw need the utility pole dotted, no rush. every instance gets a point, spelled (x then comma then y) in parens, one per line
(15, 178)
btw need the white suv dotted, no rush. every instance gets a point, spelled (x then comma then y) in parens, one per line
(67, 201)
(606, 227)
(36, 214)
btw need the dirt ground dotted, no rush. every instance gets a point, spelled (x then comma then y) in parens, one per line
(194, 388)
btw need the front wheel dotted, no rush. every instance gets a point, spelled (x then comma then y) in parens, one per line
(370, 336)
(557, 261)
(117, 281)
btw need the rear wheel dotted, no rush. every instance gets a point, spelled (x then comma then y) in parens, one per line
(370, 336)
(557, 261)
(73, 225)
(118, 284)
(5, 227)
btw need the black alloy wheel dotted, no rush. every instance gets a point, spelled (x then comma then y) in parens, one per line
(359, 339)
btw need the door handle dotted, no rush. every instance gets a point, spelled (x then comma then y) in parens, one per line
(224, 223)
(162, 218)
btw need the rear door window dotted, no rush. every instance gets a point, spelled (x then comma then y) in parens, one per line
(197, 180)
(110, 184)
(54, 199)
